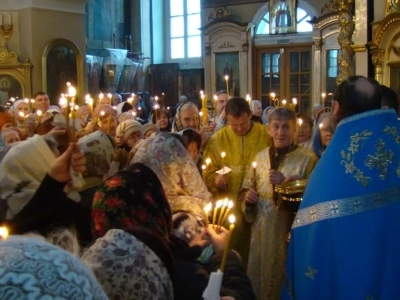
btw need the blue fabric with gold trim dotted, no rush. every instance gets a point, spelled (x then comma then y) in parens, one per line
(344, 239)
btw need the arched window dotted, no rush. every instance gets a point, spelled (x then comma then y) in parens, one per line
(301, 24)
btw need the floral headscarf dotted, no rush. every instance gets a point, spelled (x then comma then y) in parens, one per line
(129, 199)
(99, 152)
(33, 269)
(170, 160)
(177, 123)
(127, 268)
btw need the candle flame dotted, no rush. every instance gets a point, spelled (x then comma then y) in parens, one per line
(3, 232)
(76, 107)
(156, 98)
(284, 102)
(71, 91)
(226, 77)
(300, 122)
(101, 96)
(232, 219)
(26, 100)
(218, 204)
(230, 204)
(294, 101)
(134, 114)
(200, 113)
(68, 84)
(225, 202)
(12, 100)
(114, 107)
(102, 113)
(208, 207)
(254, 164)
(32, 101)
(320, 126)
(215, 97)
(208, 161)
(39, 112)
(223, 154)
(272, 95)
(21, 114)
(87, 97)
(203, 167)
(109, 95)
(323, 95)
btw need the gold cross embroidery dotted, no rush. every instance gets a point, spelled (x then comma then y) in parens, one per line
(311, 272)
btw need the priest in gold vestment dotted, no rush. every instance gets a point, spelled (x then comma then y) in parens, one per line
(241, 140)
(270, 225)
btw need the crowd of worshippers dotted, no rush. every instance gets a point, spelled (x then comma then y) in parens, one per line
(137, 229)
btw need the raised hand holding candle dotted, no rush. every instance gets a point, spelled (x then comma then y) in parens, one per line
(232, 220)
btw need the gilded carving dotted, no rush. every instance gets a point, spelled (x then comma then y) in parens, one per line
(318, 44)
(346, 23)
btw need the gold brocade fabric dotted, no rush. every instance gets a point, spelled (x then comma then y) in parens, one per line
(240, 153)
(271, 226)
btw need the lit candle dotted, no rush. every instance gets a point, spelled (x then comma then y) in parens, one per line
(39, 113)
(221, 214)
(207, 210)
(71, 91)
(298, 131)
(323, 95)
(22, 115)
(228, 241)
(230, 205)
(203, 167)
(248, 98)
(3, 232)
(227, 84)
(217, 206)
(294, 103)
(254, 164)
(284, 102)
(208, 161)
(273, 98)
(320, 139)
(12, 105)
(223, 154)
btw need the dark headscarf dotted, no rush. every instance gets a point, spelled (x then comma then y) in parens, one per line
(133, 197)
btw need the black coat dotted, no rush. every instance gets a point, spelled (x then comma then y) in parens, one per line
(190, 277)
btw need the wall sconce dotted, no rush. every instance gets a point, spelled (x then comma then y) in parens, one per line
(6, 30)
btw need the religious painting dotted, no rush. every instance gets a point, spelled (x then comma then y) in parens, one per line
(9, 88)
(191, 83)
(164, 83)
(227, 72)
(61, 62)
(282, 16)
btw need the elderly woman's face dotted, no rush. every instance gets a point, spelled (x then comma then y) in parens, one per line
(10, 137)
(190, 118)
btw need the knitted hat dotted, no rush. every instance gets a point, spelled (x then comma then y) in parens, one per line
(5, 117)
(128, 127)
(147, 127)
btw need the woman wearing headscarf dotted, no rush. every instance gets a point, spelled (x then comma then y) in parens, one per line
(132, 259)
(132, 219)
(99, 151)
(32, 182)
(169, 159)
(322, 135)
(256, 109)
(33, 269)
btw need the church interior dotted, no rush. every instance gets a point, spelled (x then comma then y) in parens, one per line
(280, 52)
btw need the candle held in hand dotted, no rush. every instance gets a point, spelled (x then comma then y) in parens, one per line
(254, 164)
(217, 206)
(232, 220)
(207, 210)
(223, 154)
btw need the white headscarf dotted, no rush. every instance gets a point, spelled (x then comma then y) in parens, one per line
(15, 106)
(22, 170)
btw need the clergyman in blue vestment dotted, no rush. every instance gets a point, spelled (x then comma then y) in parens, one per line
(345, 241)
